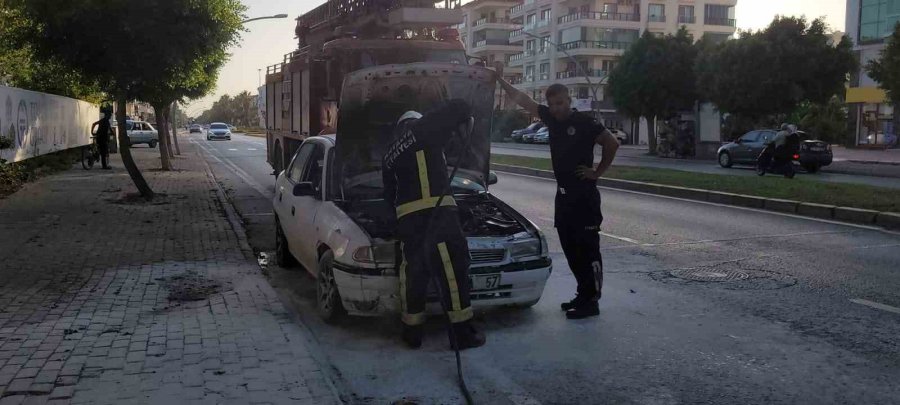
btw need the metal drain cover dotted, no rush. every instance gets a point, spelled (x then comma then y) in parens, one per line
(710, 274)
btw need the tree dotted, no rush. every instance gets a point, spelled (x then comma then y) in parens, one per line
(886, 71)
(771, 72)
(655, 78)
(130, 47)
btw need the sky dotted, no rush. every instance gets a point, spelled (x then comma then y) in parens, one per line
(265, 42)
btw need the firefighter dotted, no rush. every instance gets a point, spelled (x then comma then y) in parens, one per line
(432, 242)
(101, 130)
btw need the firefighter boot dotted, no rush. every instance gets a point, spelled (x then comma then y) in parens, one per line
(412, 336)
(467, 336)
(584, 310)
(574, 303)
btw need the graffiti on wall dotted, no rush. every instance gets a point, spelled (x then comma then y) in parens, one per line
(35, 123)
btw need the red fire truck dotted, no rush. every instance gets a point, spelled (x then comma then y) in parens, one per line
(342, 36)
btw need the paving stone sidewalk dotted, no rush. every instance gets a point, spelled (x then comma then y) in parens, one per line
(105, 299)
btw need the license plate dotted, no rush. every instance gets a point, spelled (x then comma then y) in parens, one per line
(817, 149)
(481, 283)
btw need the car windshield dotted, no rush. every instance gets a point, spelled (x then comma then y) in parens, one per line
(218, 126)
(369, 186)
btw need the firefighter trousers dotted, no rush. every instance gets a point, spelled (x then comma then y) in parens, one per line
(438, 254)
(581, 246)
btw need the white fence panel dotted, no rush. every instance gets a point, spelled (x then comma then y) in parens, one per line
(40, 123)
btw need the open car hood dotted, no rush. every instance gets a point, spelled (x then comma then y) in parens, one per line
(373, 99)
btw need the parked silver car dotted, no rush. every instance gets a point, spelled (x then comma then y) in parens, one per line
(141, 132)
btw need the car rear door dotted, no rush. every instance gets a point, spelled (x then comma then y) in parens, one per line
(136, 134)
(764, 138)
(150, 133)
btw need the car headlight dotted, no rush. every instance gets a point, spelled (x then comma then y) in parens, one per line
(525, 248)
(379, 253)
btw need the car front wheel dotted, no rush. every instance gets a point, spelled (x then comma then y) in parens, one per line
(725, 160)
(811, 167)
(328, 299)
(283, 256)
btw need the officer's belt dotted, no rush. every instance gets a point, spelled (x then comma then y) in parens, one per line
(423, 204)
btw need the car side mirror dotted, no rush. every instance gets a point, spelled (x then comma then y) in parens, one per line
(492, 178)
(738, 141)
(304, 189)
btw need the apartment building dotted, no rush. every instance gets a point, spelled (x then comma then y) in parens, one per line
(872, 116)
(577, 42)
(485, 32)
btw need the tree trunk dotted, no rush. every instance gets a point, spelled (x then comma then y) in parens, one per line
(175, 129)
(163, 131)
(169, 130)
(651, 135)
(125, 152)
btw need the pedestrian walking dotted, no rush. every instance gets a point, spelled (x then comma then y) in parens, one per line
(417, 185)
(577, 214)
(101, 131)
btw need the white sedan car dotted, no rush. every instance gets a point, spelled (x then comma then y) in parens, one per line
(347, 243)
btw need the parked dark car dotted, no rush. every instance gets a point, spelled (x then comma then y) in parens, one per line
(531, 129)
(813, 153)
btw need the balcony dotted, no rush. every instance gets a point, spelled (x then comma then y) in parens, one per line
(516, 59)
(577, 73)
(725, 22)
(541, 23)
(687, 19)
(517, 9)
(517, 33)
(545, 76)
(491, 20)
(592, 15)
(516, 80)
(594, 45)
(656, 18)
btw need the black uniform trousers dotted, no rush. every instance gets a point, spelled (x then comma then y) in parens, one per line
(578, 220)
(103, 147)
(438, 253)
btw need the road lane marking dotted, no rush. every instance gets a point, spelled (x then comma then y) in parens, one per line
(232, 149)
(251, 149)
(238, 171)
(621, 238)
(762, 211)
(876, 305)
(258, 214)
(877, 246)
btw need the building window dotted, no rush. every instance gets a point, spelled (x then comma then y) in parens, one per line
(686, 15)
(608, 65)
(583, 92)
(717, 14)
(877, 19)
(657, 13)
(529, 48)
(545, 44)
(545, 71)
(545, 15)
(530, 21)
(611, 8)
(529, 73)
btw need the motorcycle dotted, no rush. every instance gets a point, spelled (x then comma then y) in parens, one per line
(768, 162)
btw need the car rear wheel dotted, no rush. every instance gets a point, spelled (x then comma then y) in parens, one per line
(328, 299)
(152, 144)
(283, 256)
(725, 160)
(811, 167)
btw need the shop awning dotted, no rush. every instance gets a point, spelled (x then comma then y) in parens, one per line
(866, 95)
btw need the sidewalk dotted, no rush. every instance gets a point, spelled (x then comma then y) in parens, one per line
(107, 300)
(872, 156)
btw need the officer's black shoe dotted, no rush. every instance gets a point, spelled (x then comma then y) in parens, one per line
(467, 336)
(566, 306)
(412, 336)
(584, 311)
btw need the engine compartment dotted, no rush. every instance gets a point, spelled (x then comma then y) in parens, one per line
(479, 216)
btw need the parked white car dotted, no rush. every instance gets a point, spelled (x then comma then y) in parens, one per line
(332, 219)
(141, 132)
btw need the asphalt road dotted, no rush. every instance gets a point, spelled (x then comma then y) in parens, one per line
(629, 156)
(811, 314)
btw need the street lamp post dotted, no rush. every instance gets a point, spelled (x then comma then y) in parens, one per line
(577, 66)
(265, 18)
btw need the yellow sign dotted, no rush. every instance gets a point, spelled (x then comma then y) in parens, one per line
(866, 95)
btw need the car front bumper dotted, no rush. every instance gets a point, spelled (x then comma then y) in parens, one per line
(373, 295)
(219, 136)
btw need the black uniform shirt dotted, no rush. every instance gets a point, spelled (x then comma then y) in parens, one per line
(572, 145)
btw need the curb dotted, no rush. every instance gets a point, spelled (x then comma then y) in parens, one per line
(889, 220)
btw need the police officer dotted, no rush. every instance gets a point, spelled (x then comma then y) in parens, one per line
(101, 130)
(577, 213)
(415, 177)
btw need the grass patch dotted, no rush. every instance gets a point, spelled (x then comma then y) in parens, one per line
(769, 186)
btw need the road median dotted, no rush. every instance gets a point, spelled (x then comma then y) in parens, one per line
(860, 204)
